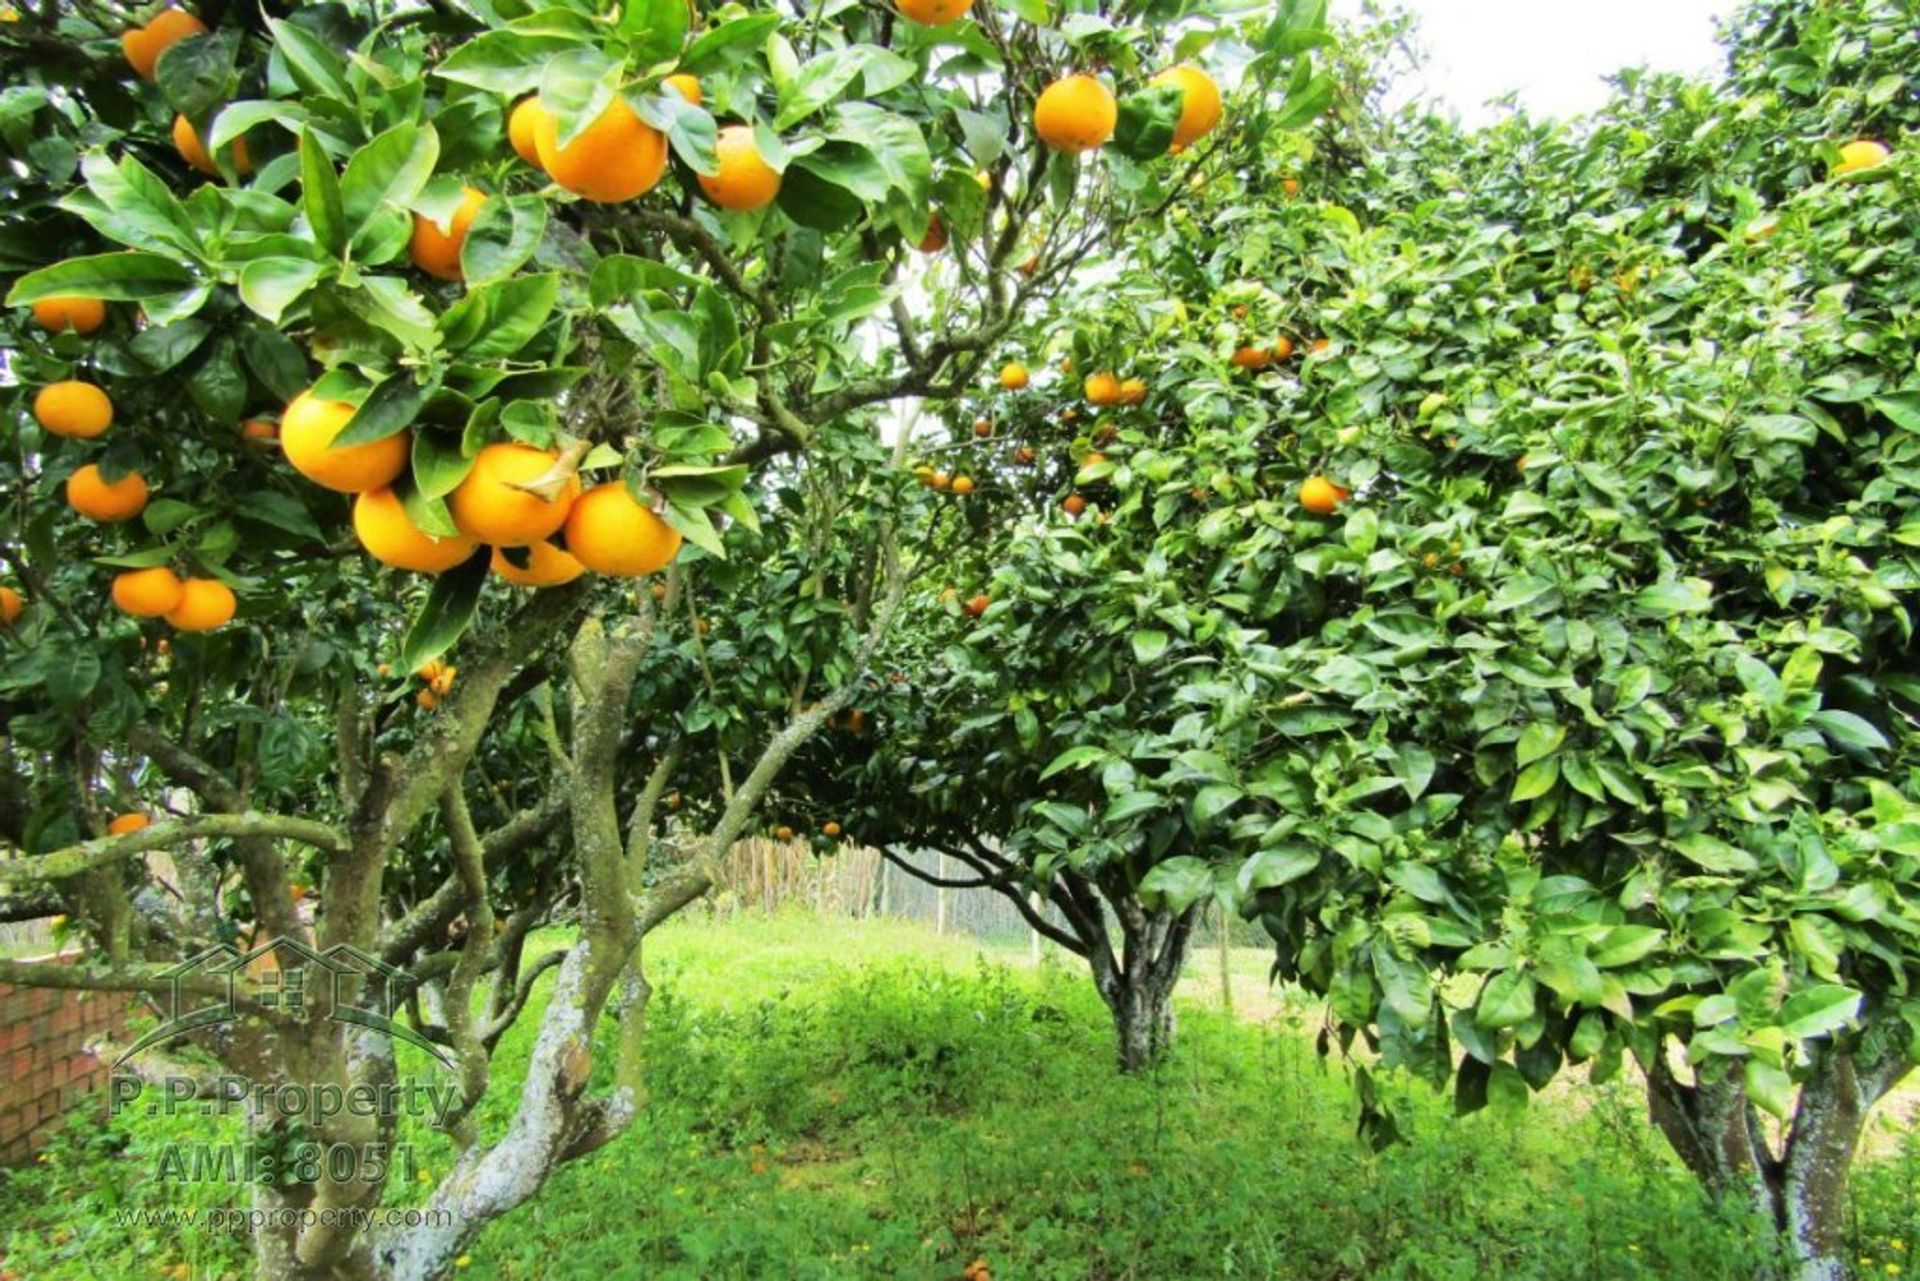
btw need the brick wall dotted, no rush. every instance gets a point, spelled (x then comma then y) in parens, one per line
(44, 1064)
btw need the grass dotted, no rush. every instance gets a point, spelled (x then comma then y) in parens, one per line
(840, 1100)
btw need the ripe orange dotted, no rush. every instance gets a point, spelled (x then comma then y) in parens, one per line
(523, 127)
(259, 431)
(1290, 185)
(1321, 496)
(1252, 358)
(10, 606)
(437, 252)
(1023, 456)
(1074, 506)
(1075, 114)
(307, 432)
(611, 532)
(186, 140)
(1199, 103)
(95, 497)
(144, 45)
(427, 700)
(686, 86)
(1282, 348)
(205, 603)
(978, 605)
(982, 429)
(617, 157)
(940, 480)
(147, 593)
(963, 485)
(381, 523)
(489, 506)
(936, 238)
(124, 823)
(1321, 346)
(1014, 377)
(77, 410)
(783, 833)
(1133, 391)
(934, 13)
(745, 180)
(830, 828)
(1864, 154)
(1102, 389)
(82, 315)
(547, 566)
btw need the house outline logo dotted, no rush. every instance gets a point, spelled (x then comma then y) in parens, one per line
(342, 967)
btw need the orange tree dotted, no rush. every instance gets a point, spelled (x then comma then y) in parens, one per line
(513, 302)
(1591, 734)
(1056, 725)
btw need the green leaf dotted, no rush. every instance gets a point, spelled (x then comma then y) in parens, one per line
(1665, 600)
(132, 276)
(71, 672)
(1713, 854)
(1626, 944)
(1177, 884)
(271, 285)
(505, 62)
(439, 465)
(1074, 758)
(1210, 802)
(1506, 1001)
(447, 613)
(1132, 806)
(502, 237)
(1536, 780)
(218, 384)
(195, 75)
(695, 526)
(576, 86)
(1850, 731)
(655, 29)
(498, 319)
(316, 68)
(1818, 1010)
(1149, 645)
(730, 42)
(1145, 127)
(275, 360)
(390, 408)
(1538, 740)
(320, 196)
(281, 511)
(161, 347)
(1903, 408)
(388, 172)
(1769, 1086)
(1270, 869)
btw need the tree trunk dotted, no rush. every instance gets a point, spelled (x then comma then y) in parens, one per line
(1143, 1020)
(1138, 988)
(1802, 1190)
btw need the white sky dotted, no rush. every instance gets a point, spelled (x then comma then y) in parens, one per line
(1553, 52)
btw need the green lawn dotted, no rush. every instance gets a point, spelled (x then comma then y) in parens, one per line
(835, 1099)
